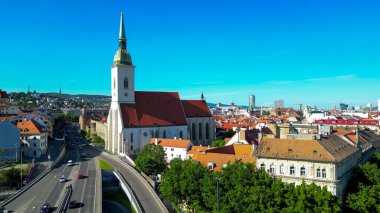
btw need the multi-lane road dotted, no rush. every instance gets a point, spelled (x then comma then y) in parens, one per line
(85, 192)
(49, 190)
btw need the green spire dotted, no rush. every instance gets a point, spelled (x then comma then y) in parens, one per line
(122, 55)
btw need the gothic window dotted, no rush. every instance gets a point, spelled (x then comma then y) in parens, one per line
(152, 134)
(114, 84)
(125, 83)
(207, 131)
(180, 134)
(303, 171)
(193, 131)
(156, 135)
(164, 134)
(200, 131)
(131, 137)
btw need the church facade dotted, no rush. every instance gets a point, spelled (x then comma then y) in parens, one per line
(135, 117)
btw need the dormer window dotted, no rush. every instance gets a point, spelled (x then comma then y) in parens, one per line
(211, 165)
(125, 83)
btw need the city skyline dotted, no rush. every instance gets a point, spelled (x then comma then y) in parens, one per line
(317, 54)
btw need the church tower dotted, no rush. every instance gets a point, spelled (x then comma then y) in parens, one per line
(122, 71)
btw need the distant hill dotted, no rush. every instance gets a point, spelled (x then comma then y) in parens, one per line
(78, 95)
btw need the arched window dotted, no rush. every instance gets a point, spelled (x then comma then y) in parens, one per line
(152, 134)
(181, 134)
(193, 131)
(114, 84)
(303, 171)
(200, 131)
(207, 131)
(262, 166)
(125, 83)
(164, 134)
(156, 135)
(131, 137)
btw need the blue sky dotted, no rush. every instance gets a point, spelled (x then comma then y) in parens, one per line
(313, 52)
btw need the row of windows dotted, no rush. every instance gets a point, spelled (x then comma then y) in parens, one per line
(200, 133)
(321, 173)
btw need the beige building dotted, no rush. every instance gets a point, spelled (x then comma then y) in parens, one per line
(326, 162)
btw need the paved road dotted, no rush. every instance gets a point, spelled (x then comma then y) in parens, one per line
(143, 192)
(49, 190)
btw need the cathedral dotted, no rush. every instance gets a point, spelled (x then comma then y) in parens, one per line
(137, 116)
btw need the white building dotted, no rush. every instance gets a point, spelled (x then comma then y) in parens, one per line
(7, 109)
(9, 140)
(137, 116)
(174, 148)
(326, 162)
(34, 139)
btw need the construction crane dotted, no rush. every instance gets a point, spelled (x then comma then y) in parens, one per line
(300, 105)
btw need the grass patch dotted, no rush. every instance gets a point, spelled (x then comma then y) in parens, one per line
(105, 166)
(121, 198)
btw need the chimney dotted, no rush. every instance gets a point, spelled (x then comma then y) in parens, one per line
(156, 141)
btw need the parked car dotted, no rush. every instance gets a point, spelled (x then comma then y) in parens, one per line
(62, 179)
(45, 208)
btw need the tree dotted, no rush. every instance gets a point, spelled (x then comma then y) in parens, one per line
(151, 160)
(367, 199)
(218, 143)
(183, 182)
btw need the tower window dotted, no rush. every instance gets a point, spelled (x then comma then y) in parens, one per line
(207, 131)
(200, 131)
(125, 83)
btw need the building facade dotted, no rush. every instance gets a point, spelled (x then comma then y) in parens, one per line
(327, 162)
(34, 140)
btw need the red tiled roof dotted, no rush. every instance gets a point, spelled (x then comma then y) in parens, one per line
(196, 108)
(166, 142)
(153, 109)
(29, 127)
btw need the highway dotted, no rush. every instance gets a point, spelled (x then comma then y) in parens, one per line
(49, 190)
(143, 191)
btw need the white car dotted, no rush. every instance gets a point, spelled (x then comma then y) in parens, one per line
(70, 163)
(62, 179)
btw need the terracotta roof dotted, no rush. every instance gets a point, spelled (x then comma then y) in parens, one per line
(29, 127)
(177, 143)
(223, 155)
(330, 149)
(153, 109)
(196, 108)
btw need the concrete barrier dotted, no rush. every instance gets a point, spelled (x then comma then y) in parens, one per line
(66, 199)
(129, 192)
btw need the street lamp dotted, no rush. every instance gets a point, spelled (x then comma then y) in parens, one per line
(217, 192)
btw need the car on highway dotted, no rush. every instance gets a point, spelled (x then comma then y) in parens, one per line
(80, 176)
(62, 179)
(45, 208)
(70, 163)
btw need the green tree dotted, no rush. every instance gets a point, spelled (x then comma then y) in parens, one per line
(218, 143)
(367, 199)
(151, 160)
